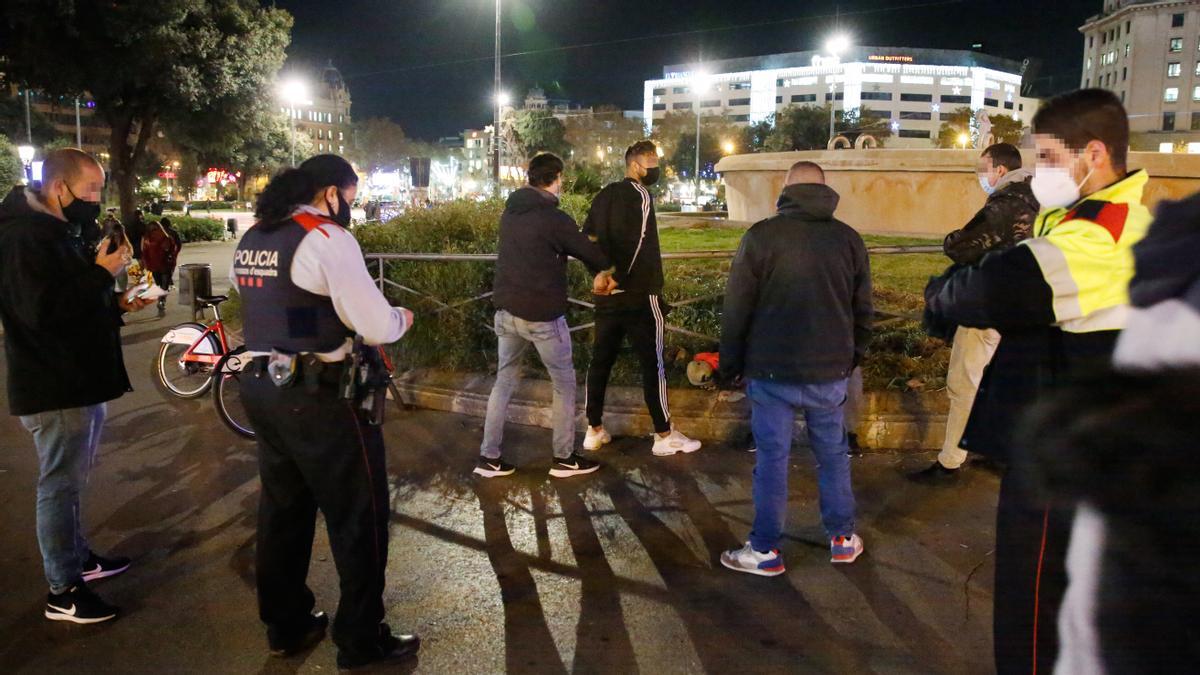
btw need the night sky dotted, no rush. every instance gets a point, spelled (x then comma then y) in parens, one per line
(390, 51)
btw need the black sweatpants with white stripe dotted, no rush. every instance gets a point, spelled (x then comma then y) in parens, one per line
(643, 326)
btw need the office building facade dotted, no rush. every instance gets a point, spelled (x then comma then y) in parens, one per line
(912, 88)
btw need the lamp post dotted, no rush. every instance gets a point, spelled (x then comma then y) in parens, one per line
(835, 46)
(294, 92)
(700, 84)
(26, 154)
(496, 111)
(78, 126)
(502, 100)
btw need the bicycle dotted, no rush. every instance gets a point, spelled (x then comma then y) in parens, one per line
(191, 351)
(227, 394)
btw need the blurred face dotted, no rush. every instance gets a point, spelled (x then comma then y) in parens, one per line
(88, 186)
(1053, 153)
(643, 162)
(989, 172)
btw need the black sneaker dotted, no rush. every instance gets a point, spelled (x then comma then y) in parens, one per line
(575, 465)
(97, 567)
(935, 474)
(78, 605)
(492, 468)
(306, 639)
(390, 650)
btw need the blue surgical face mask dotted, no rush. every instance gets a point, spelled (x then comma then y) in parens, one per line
(986, 186)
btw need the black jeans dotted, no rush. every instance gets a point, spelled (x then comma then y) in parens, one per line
(1031, 576)
(644, 328)
(316, 451)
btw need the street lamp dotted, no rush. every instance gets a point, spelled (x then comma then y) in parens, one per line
(502, 100)
(294, 92)
(26, 154)
(700, 85)
(835, 46)
(496, 110)
(727, 147)
(963, 139)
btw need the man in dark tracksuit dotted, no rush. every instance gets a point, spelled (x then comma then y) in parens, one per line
(622, 221)
(1059, 301)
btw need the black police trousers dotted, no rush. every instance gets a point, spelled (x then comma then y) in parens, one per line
(316, 451)
(643, 326)
(1031, 576)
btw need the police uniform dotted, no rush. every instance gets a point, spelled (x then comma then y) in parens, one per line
(1059, 300)
(305, 293)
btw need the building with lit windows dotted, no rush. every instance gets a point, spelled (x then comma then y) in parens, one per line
(1148, 53)
(910, 87)
(326, 118)
(61, 112)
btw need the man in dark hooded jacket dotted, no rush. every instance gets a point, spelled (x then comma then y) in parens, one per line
(796, 322)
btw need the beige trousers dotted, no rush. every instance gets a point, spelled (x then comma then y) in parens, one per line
(972, 352)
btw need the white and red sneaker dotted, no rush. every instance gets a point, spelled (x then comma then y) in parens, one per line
(746, 559)
(845, 549)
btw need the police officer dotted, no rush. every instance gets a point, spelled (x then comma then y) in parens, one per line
(306, 294)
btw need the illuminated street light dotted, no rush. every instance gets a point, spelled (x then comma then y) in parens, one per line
(25, 152)
(963, 139)
(600, 154)
(838, 44)
(294, 92)
(699, 86)
(727, 147)
(502, 98)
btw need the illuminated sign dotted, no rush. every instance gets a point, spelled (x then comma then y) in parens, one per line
(890, 58)
(166, 174)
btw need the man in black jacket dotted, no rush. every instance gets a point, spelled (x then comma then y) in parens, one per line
(530, 294)
(62, 320)
(796, 322)
(622, 221)
(1005, 219)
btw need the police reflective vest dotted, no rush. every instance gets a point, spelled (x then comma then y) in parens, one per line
(278, 314)
(1085, 253)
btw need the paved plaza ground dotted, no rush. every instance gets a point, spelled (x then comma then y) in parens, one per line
(611, 573)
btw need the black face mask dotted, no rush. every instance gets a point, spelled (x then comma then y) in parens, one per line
(651, 176)
(340, 215)
(80, 212)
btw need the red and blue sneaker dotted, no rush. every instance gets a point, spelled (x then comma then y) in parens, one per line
(746, 559)
(845, 549)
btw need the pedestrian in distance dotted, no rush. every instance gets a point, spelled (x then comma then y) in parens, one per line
(621, 220)
(54, 297)
(161, 246)
(1005, 219)
(306, 294)
(530, 294)
(1059, 300)
(795, 324)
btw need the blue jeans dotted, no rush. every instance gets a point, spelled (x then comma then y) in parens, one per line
(773, 407)
(553, 343)
(66, 443)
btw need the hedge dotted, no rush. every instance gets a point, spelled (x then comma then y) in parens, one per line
(458, 338)
(193, 229)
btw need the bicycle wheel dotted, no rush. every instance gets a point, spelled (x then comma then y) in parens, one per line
(186, 379)
(227, 393)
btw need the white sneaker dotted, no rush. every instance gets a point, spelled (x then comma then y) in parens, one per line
(845, 550)
(746, 559)
(592, 440)
(673, 443)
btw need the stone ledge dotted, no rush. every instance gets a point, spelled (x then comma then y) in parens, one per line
(889, 420)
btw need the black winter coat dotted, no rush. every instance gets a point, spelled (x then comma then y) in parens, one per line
(798, 300)
(1005, 219)
(535, 240)
(61, 319)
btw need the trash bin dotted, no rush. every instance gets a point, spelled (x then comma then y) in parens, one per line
(231, 225)
(195, 281)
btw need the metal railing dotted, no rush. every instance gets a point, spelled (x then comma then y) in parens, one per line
(380, 261)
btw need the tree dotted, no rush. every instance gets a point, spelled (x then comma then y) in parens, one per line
(606, 127)
(799, 128)
(539, 131)
(855, 122)
(1007, 130)
(754, 136)
(954, 125)
(195, 69)
(380, 145)
(11, 171)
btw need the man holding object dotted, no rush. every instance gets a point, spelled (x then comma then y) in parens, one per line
(54, 298)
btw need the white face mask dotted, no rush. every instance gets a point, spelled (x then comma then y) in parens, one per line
(1054, 187)
(986, 186)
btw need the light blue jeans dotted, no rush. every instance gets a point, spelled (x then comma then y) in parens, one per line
(553, 343)
(66, 442)
(773, 407)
